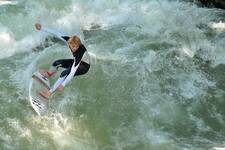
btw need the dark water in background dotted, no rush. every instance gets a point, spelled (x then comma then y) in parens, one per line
(156, 80)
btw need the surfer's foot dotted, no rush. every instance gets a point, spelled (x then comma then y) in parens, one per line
(45, 94)
(46, 73)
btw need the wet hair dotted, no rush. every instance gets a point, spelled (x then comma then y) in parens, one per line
(74, 40)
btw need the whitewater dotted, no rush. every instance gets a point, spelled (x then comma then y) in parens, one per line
(156, 79)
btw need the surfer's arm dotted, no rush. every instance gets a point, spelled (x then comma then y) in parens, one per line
(71, 74)
(61, 36)
(56, 33)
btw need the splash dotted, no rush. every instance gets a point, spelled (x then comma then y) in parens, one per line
(219, 26)
(8, 3)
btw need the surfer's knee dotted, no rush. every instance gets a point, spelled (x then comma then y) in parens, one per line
(57, 63)
(65, 73)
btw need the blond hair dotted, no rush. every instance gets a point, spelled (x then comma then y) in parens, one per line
(74, 40)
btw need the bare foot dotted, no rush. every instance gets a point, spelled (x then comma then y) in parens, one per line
(46, 73)
(45, 94)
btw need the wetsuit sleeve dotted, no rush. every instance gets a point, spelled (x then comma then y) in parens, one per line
(56, 33)
(71, 74)
(65, 37)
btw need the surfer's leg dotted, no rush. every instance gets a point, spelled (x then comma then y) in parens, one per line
(46, 73)
(57, 84)
(62, 77)
(45, 93)
(64, 63)
(82, 69)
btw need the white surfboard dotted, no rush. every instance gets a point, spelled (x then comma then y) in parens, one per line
(37, 84)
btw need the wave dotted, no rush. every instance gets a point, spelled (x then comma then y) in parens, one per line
(152, 83)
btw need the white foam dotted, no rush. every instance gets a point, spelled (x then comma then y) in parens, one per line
(124, 137)
(220, 26)
(218, 148)
(9, 45)
(3, 2)
(20, 130)
(78, 18)
(65, 132)
(188, 51)
(194, 84)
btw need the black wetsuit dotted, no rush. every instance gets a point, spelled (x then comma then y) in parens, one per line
(67, 63)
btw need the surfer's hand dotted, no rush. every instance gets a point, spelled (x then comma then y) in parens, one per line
(60, 88)
(38, 26)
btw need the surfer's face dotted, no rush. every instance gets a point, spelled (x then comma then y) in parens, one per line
(73, 46)
(74, 43)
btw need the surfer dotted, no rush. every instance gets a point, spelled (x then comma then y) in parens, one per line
(73, 67)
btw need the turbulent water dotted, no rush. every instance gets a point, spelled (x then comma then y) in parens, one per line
(156, 79)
